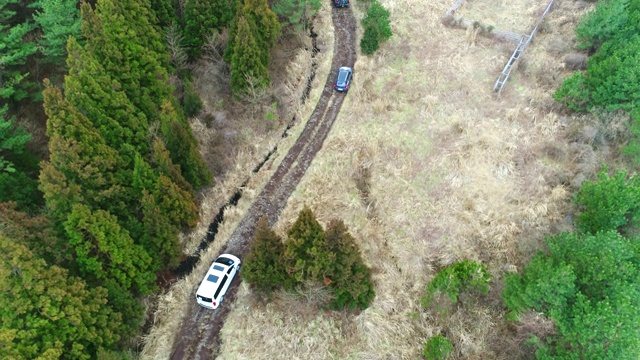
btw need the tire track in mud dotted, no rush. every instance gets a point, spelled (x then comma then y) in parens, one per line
(199, 336)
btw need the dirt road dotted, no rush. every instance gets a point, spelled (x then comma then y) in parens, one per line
(199, 333)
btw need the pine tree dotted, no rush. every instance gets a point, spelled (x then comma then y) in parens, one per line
(59, 20)
(303, 242)
(263, 267)
(165, 12)
(201, 18)
(46, 313)
(246, 63)
(349, 277)
(377, 28)
(12, 141)
(16, 50)
(92, 91)
(107, 256)
(183, 147)
(252, 35)
(81, 167)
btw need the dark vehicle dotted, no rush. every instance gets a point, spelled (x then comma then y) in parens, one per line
(345, 74)
(341, 3)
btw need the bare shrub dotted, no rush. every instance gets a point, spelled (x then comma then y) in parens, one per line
(575, 61)
(177, 54)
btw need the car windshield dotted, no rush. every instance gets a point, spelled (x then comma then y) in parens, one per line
(342, 77)
(218, 267)
(212, 278)
(225, 261)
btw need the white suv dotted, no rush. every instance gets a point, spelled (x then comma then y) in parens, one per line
(215, 284)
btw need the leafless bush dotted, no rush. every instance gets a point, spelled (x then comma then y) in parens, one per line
(575, 61)
(177, 54)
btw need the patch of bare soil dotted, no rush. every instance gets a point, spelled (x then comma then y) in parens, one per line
(199, 334)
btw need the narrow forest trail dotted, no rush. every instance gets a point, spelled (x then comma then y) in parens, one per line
(198, 337)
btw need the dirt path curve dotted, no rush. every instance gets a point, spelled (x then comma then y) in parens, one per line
(199, 334)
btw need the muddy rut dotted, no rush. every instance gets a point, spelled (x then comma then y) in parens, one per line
(199, 334)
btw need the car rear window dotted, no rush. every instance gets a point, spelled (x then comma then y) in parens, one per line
(218, 267)
(212, 278)
(342, 77)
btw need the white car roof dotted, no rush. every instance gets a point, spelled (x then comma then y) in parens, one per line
(216, 272)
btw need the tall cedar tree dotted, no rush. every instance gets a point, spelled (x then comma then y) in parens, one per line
(305, 242)
(165, 12)
(254, 36)
(81, 167)
(133, 53)
(201, 18)
(58, 20)
(350, 278)
(15, 25)
(92, 91)
(246, 64)
(36, 233)
(46, 313)
(107, 256)
(263, 266)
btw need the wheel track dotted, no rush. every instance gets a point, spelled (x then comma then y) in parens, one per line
(199, 335)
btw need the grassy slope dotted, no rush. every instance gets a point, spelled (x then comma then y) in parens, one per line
(455, 174)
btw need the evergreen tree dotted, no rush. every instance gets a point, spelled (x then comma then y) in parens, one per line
(201, 18)
(251, 36)
(588, 284)
(377, 28)
(107, 256)
(81, 167)
(305, 240)
(92, 91)
(349, 277)
(59, 20)
(15, 50)
(263, 266)
(183, 147)
(12, 141)
(246, 63)
(36, 233)
(46, 313)
(165, 12)
(297, 12)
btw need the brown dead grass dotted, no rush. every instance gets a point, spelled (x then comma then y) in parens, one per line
(454, 173)
(426, 167)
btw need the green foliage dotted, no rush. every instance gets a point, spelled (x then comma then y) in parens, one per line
(453, 279)
(191, 102)
(183, 148)
(304, 242)
(297, 12)
(612, 32)
(107, 256)
(15, 50)
(263, 266)
(59, 20)
(165, 11)
(377, 28)
(608, 203)
(201, 18)
(588, 284)
(46, 313)
(252, 34)
(609, 20)
(437, 348)
(12, 141)
(349, 277)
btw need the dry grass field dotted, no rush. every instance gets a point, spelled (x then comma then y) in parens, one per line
(426, 167)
